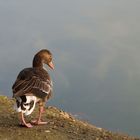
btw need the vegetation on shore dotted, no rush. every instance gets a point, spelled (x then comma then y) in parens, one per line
(61, 126)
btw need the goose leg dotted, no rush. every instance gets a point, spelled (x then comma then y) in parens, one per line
(23, 122)
(38, 120)
(41, 110)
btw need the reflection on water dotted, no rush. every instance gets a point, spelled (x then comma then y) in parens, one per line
(96, 52)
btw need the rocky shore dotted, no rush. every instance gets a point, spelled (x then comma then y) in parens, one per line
(61, 126)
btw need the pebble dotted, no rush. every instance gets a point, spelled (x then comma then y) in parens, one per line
(47, 131)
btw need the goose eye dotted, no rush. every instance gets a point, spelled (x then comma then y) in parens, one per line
(50, 59)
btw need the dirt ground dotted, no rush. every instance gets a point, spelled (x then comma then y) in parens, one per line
(61, 126)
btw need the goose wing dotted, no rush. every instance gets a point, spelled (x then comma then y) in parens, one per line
(32, 81)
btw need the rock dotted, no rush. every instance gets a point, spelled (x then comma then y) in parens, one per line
(47, 131)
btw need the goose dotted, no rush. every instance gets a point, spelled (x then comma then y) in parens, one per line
(33, 86)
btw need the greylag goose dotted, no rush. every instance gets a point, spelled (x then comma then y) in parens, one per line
(33, 85)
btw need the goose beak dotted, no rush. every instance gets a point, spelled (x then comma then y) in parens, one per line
(51, 65)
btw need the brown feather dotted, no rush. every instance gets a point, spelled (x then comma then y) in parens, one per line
(32, 80)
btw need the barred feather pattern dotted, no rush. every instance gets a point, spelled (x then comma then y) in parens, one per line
(32, 80)
(33, 84)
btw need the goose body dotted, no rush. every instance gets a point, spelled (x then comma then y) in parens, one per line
(33, 85)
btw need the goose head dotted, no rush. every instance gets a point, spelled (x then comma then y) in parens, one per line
(43, 57)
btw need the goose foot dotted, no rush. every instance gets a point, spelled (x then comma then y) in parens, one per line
(23, 122)
(38, 122)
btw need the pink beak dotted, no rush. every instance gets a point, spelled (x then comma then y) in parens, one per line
(51, 65)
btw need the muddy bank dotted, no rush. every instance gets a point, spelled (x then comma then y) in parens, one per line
(61, 126)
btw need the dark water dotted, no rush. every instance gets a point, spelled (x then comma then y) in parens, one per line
(96, 53)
